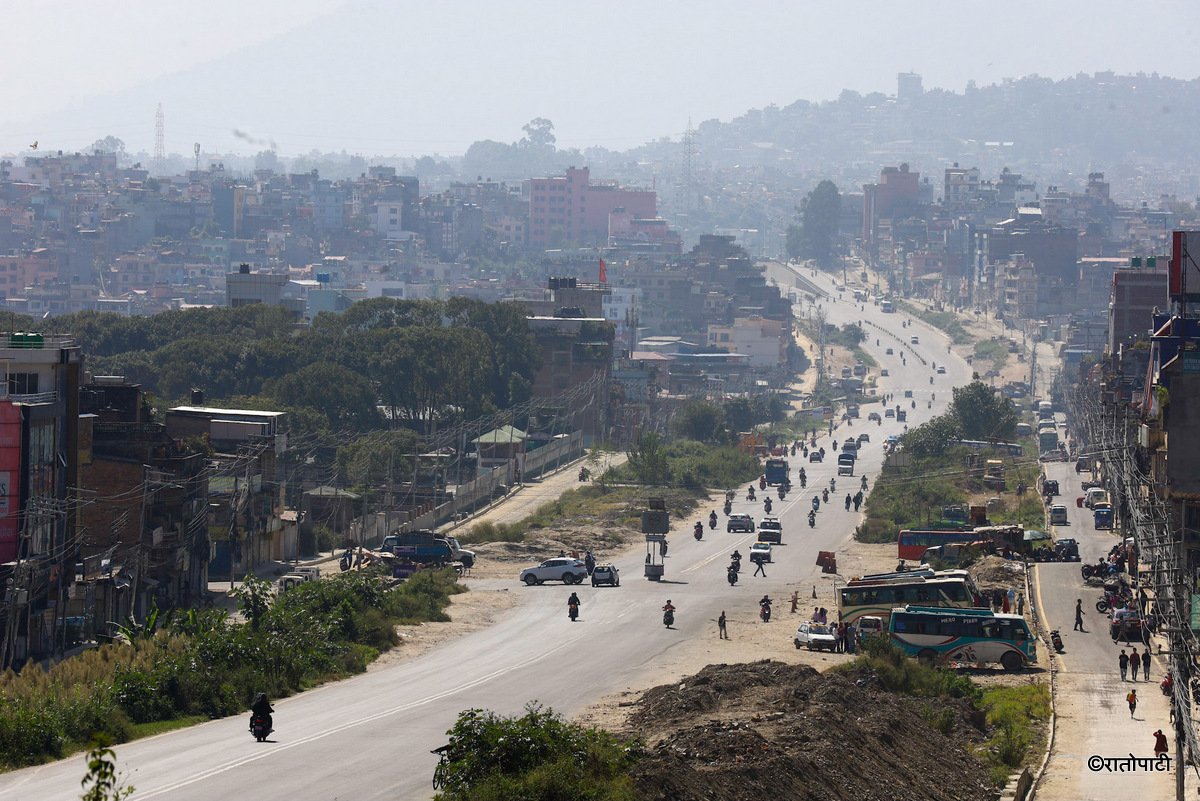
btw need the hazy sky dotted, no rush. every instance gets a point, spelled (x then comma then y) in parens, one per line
(408, 77)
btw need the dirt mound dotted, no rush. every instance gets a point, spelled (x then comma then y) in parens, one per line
(772, 730)
(996, 572)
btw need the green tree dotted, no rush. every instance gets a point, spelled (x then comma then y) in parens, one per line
(343, 397)
(254, 599)
(648, 459)
(700, 420)
(539, 133)
(377, 457)
(933, 437)
(814, 236)
(983, 413)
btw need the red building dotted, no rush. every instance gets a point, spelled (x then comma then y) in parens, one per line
(570, 209)
(897, 194)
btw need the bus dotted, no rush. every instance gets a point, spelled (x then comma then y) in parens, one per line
(776, 472)
(878, 595)
(976, 636)
(911, 544)
(886, 306)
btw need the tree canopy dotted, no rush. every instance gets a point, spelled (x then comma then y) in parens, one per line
(814, 235)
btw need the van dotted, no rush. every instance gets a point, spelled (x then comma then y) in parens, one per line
(1058, 515)
(870, 626)
(1095, 496)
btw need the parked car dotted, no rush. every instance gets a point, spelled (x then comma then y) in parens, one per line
(815, 456)
(564, 569)
(606, 574)
(884, 373)
(760, 551)
(874, 417)
(740, 523)
(1126, 624)
(1058, 515)
(814, 636)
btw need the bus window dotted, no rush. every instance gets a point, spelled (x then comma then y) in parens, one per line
(922, 594)
(898, 594)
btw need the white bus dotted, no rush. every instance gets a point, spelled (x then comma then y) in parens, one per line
(878, 595)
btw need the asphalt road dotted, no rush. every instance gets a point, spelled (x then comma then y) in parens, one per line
(369, 737)
(1092, 715)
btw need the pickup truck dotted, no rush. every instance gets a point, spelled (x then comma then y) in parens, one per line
(428, 547)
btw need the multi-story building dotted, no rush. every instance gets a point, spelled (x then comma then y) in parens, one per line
(570, 209)
(39, 471)
(763, 341)
(1136, 295)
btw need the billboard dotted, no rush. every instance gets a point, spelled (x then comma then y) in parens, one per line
(1183, 281)
(10, 481)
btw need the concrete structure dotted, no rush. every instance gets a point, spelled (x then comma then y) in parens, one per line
(1136, 295)
(763, 341)
(570, 209)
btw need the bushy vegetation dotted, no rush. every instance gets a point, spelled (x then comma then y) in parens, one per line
(1016, 718)
(908, 497)
(992, 350)
(203, 663)
(535, 757)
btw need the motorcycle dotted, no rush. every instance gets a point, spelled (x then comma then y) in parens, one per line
(1056, 639)
(731, 575)
(260, 727)
(816, 503)
(764, 612)
(914, 404)
(698, 530)
(750, 494)
(735, 563)
(782, 492)
(669, 617)
(728, 508)
(346, 560)
(573, 611)
(712, 520)
(825, 495)
(930, 379)
(1167, 685)
(803, 481)
(762, 482)
(812, 519)
(584, 474)
(767, 506)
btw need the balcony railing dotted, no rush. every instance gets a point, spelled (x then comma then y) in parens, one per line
(30, 399)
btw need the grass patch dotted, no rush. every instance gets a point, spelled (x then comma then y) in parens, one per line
(1016, 718)
(944, 320)
(907, 498)
(994, 351)
(139, 730)
(488, 531)
(864, 357)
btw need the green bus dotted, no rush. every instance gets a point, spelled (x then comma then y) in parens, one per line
(973, 636)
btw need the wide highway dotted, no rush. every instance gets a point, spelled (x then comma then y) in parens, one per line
(370, 737)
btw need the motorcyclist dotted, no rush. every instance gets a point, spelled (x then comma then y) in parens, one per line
(728, 506)
(816, 503)
(262, 707)
(825, 495)
(832, 484)
(698, 529)
(735, 560)
(812, 519)
(573, 601)
(712, 518)
(668, 613)
(767, 505)
(750, 494)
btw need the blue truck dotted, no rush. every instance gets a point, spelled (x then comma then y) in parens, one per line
(776, 472)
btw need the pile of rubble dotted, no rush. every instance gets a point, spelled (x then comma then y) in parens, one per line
(770, 730)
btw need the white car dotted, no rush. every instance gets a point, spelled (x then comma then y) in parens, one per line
(564, 569)
(815, 636)
(760, 551)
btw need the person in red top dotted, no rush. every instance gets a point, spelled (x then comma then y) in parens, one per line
(1160, 744)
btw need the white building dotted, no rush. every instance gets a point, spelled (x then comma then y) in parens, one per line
(762, 340)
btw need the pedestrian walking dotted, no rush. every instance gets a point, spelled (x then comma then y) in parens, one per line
(1132, 700)
(758, 566)
(1135, 661)
(721, 633)
(841, 637)
(795, 600)
(1078, 614)
(1146, 663)
(1123, 662)
(1160, 744)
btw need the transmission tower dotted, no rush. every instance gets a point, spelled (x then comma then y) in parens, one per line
(160, 142)
(689, 154)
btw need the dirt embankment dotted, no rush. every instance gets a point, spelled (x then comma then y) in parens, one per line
(770, 730)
